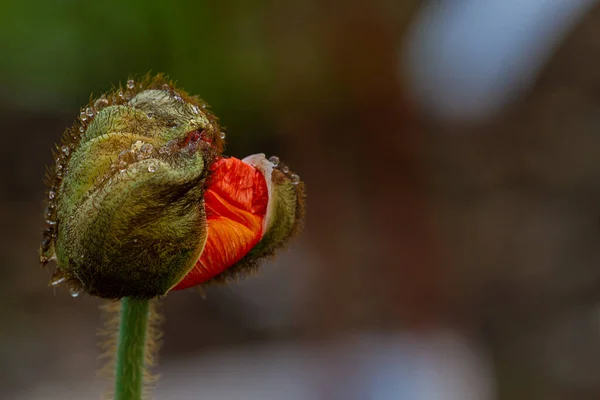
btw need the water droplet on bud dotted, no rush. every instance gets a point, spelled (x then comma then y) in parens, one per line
(101, 103)
(46, 243)
(152, 168)
(73, 291)
(89, 112)
(195, 109)
(57, 277)
(130, 84)
(58, 281)
(285, 169)
(126, 156)
(145, 151)
(274, 160)
(222, 135)
(120, 94)
(66, 150)
(295, 179)
(150, 115)
(51, 194)
(166, 149)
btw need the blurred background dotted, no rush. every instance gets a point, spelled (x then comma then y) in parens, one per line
(451, 152)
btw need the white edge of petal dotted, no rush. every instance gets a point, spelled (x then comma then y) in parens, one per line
(260, 162)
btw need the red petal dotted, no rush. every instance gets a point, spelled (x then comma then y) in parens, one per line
(236, 203)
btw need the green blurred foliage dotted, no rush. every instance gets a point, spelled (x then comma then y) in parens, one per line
(58, 52)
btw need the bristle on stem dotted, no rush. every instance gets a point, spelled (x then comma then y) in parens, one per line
(109, 341)
(131, 342)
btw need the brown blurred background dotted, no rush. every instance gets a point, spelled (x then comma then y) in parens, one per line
(451, 151)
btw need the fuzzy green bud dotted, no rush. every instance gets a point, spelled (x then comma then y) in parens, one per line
(125, 216)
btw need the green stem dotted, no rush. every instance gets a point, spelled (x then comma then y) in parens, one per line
(130, 349)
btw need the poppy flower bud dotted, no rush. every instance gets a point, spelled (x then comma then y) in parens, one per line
(141, 200)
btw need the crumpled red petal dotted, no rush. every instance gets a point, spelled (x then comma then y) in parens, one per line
(236, 203)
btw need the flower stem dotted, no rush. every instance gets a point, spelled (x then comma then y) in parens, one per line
(130, 349)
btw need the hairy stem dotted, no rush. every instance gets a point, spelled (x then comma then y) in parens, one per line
(130, 362)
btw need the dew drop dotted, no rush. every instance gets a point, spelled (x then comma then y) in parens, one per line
(150, 115)
(145, 151)
(51, 194)
(274, 160)
(83, 116)
(46, 243)
(177, 97)
(73, 291)
(66, 150)
(195, 109)
(222, 135)
(126, 156)
(192, 147)
(90, 112)
(152, 168)
(57, 277)
(165, 150)
(58, 281)
(120, 94)
(101, 103)
(285, 169)
(295, 179)
(130, 84)
(49, 211)
(81, 129)
(48, 214)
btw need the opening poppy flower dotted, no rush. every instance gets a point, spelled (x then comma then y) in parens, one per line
(237, 203)
(142, 201)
